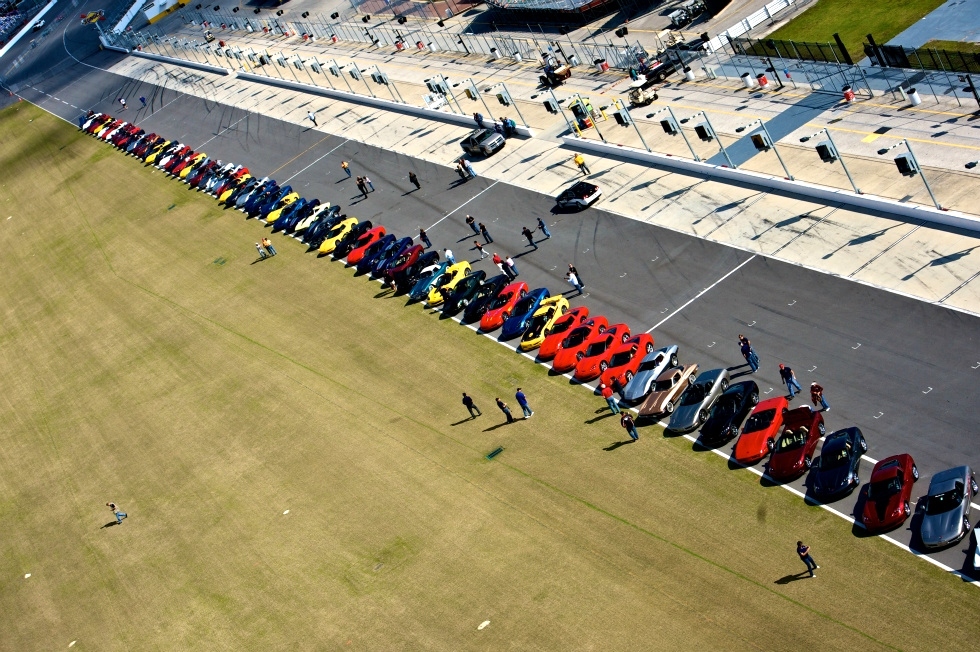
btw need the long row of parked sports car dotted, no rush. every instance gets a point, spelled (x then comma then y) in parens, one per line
(585, 345)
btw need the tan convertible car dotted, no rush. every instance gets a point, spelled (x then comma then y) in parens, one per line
(668, 388)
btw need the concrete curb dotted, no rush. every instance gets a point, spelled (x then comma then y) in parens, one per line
(823, 194)
(180, 62)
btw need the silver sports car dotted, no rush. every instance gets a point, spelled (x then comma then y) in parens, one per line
(946, 512)
(651, 367)
(697, 399)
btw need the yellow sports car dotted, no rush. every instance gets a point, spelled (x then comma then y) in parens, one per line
(283, 203)
(155, 152)
(542, 321)
(191, 165)
(336, 234)
(448, 282)
(239, 182)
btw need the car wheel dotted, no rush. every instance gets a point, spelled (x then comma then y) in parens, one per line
(807, 462)
(564, 309)
(864, 446)
(724, 384)
(579, 355)
(603, 365)
(626, 337)
(973, 486)
(822, 429)
(966, 524)
(770, 444)
(754, 398)
(668, 407)
(506, 316)
(702, 416)
(467, 272)
(602, 329)
(691, 379)
(649, 348)
(907, 509)
(523, 293)
(915, 473)
(464, 303)
(673, 360)
(629, 376)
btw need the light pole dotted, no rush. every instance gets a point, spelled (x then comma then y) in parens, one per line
(355, 72)
(672, 128)
(339, 72)
(909, 166)
(476, 91)
(706, 132)
(506, 99)
(762, 144)
(595, 124)
(829, 153)
(560, 110)
(445, 84)
(629, 120)
(382, 78)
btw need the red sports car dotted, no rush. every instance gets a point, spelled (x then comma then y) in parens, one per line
(366, 240)
(793, 454)
(502, 306)
(564, 324)
(405, 260)
(761, 430)
(571, 349)
(888, 497)
(625, 359)
(595, 358)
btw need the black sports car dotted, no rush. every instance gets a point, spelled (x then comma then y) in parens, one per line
(729, 412)
(480, 302)
(836, 470)
(464, 293)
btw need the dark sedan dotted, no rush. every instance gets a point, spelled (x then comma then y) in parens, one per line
(729, 412)
(836, 470)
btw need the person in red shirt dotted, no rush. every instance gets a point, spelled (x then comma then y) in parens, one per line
(816, 396)
(607, 394)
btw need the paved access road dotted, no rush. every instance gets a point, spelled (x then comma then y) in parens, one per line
(900, 369)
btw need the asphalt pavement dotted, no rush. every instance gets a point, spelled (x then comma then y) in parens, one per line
(902, 370)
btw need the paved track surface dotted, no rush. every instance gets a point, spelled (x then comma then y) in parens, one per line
(633, 271)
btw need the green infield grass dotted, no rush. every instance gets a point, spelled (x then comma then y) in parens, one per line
(299, 473)
(853, 19)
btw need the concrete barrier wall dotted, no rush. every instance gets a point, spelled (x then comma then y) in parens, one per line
(822, 194)
(180, 62)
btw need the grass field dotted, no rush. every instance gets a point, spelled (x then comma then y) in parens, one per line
(146, 360)
(953, 46)
(854, 19)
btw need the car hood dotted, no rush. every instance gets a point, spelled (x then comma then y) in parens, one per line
(831, 480)
(880, 511)
(940, 529)
(685, 416)
(787, 462)
(637, 388)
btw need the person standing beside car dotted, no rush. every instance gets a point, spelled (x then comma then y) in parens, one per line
(512, 267)
(607, 394)
(816, 396)
(786, 373)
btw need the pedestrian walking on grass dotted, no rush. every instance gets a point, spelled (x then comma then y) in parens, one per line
(529, 234)
(786, 373)
(312, 117)
(544, 229)
(471, 406)
(486, 234)
(345, 166)
(262, 254)
(479, 248)
(627, 422)
(580, 162)
(573, 270)
(415, 180)
(506, 410)
(120, 515)
(143, 101)
(512, 267)
(607, 394)
(450, 258)
(370, 185)
(471, 221)
(571, 278)
(803, 551)
(268, 246)
(816, 396)
(522, 401)
(424, 238)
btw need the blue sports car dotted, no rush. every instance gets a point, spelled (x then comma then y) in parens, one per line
(517, 323)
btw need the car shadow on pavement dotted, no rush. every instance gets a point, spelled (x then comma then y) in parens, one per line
(617, 444)
(792, 578)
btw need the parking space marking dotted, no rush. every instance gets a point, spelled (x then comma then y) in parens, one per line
(702, 292)
(463, 204)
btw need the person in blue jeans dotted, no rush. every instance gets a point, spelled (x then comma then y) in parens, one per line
(627, 422)
(789, 378)
(120, 515)
(804, 552)
(522, 401)
(543, 228)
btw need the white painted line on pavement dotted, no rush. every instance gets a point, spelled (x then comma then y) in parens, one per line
(316, 161)
(464, 203)
(705, 290)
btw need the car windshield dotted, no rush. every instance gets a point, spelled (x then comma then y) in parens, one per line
(664, 385)
(884, 488)
(792, 440)
(833, 459)
(524, 305)
(944, 502)
(759, 421)
(651, 365)
(725, 408)
(501, 301)
(563, 326)
(483, 137)
(485, 291)
(336, 231)
(537, 325)
(694, 394)
(596, 348)
(442, 280)
(576, 338)
(621, 358)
